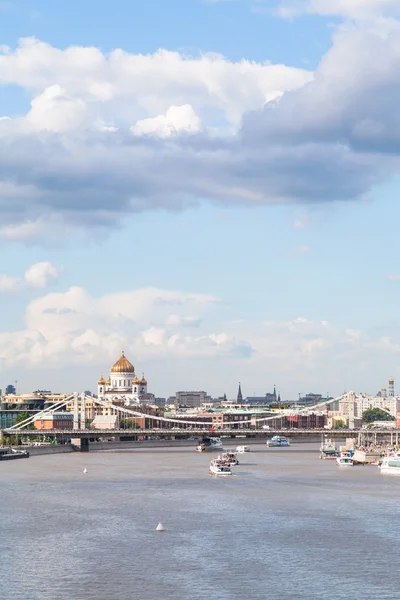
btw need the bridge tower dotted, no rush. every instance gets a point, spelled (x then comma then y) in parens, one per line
(76, 411)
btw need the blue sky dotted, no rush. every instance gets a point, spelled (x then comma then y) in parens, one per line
(219, 195)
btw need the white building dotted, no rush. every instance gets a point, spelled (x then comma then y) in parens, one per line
(123, 386)
(352, 405)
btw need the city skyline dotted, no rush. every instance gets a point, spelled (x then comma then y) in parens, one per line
(212, 185)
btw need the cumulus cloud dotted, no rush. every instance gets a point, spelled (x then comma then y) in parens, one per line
(108, 135)
(74, 326)
(39, 275)
(75, 329)
(178, 119)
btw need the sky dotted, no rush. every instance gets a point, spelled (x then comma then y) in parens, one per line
(211, 184)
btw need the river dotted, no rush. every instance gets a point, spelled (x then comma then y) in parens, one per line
(287, 526)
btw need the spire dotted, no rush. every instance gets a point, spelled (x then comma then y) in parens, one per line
(239, 398)
(275, 390)
(279, 397)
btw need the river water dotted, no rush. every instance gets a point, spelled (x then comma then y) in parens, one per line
(287, 526)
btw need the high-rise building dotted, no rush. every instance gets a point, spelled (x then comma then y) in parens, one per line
(391, 387)
(10, 389)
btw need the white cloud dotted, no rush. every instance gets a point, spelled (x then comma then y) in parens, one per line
(140, 86)
(178, 119)
(54, 110)
(39, 275)
(394, 277)
(74, 329)
(8, 284)
(263, 133)
(355, 9)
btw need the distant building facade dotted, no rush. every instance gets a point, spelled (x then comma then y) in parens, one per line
(192, 399)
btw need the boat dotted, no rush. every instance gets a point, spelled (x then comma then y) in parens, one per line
(12, 454)
(219, 468)
(344, 460)
(230, 458)
(278, 441)
(328, 449)
(242, 449)
(391, 464)
(209, 444)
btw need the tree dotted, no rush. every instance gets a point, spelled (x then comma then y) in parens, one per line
(339, 424)
(22, 416)
(376, 414)
(128, 424)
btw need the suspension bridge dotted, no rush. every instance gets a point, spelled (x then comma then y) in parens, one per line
(160, 426)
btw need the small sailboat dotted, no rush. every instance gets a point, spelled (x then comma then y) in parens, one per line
(160, 527)
(85, 471)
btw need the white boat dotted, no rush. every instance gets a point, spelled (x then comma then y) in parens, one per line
(391, 464)
(230, 458)
(278, 441)
(328, 449)
(242, 449)
(344, 460)
(210, 444)
(219, 468)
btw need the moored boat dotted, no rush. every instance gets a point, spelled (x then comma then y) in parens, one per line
(12, 454)
(328, 449)
(391, 465)
(219, 468)
(345, 460)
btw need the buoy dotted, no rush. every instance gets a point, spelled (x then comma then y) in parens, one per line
(160, 527)
(85, 470)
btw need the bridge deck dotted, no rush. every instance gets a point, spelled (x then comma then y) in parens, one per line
(179, 432)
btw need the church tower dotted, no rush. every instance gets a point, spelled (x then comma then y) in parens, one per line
(239, 398)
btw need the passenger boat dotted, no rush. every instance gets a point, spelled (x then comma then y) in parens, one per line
(391, 465)
(12, 454)
(345, 460)
(209, 444)
(278, 441)
(219, 468)
(328, 449)
(230, 458)
(242, 449)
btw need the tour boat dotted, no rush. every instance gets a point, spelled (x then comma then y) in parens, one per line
(328, 449)
(210, 444)
(391, 464)
(242, 449)
(230, 458)
(344, 460)
(278, 441)
(220, 468)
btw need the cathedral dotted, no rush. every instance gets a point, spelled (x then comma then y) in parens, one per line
(123, 386)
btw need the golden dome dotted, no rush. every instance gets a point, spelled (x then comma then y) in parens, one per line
(143, 381)
(108, 382)
(101, 381)
(391, 380)
(122, 365)
(136, 381)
